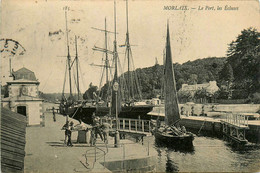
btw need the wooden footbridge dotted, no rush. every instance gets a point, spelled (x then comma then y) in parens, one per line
(234, 127)
(135, 127)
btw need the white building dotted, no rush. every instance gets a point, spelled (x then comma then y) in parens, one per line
(210, 87)
(23, 97)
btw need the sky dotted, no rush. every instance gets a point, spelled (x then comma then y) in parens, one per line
(39, 27)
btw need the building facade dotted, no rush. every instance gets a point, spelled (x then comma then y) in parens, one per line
(23, 97)
(210, 87)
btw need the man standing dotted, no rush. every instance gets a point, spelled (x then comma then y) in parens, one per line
(69, 131)
(105, 127)
(53, 112)
(65, 127)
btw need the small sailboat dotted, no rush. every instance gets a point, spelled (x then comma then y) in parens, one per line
(171, 134)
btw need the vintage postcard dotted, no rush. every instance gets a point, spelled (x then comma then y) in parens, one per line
(130, 85)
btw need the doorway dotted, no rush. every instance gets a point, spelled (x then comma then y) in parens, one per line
(21, 110)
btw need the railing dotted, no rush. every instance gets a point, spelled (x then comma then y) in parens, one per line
(239, 120)
(96, 153)
(131, 125)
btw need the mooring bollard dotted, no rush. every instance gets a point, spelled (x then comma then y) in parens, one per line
(117, 139)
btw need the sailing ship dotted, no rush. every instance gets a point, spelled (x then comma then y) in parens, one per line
(130, 108)
(72, 106)
(171, 134)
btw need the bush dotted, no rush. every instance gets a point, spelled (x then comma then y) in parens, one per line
(255, 98)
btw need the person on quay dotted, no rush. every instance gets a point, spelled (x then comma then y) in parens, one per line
(96, 127)
(69, 132)
(65, 127)
(53, 112)
(105, 127)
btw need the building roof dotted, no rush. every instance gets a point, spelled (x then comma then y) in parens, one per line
(24, 73)
(13, 130)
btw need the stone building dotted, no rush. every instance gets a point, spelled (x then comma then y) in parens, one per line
(210, 87)
(23, 97)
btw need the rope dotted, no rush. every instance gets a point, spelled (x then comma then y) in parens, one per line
(65, 77)
(76, 111)
(136, 77)
(201, 126)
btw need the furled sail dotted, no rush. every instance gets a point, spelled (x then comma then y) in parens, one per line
(172, 113)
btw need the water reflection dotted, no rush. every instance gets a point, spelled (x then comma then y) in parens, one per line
(207, 155)
(170, 165)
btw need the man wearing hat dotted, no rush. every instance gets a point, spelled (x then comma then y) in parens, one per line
(69, 129)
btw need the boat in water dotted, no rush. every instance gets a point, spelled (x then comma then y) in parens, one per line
(171, 135)
(73, 106)
(132, 105)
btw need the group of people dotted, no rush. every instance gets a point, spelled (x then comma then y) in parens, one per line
(101, 129)
(96, 129)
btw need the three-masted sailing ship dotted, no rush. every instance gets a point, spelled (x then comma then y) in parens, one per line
(171, 134)
(130, 108)
(72, 106)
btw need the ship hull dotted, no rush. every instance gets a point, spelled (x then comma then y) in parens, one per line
(171, 141)
(132, 112)
(83, 113)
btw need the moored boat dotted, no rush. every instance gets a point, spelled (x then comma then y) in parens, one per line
(73, 106)
(129, 89)
(171, 134)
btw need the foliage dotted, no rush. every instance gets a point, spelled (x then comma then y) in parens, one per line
(221, 94)
(226, 74)
(244, 57)
(201, 94)
(198, 71)
(255, 98)
(4, 90)
(184, 96)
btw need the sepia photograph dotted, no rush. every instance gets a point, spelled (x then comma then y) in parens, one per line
(130, 86)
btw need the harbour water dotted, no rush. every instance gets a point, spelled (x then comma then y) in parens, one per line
(209, 155)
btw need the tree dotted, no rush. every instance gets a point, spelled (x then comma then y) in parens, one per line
(226, 75)
(244, 57)
(184, 96)
(193, 79)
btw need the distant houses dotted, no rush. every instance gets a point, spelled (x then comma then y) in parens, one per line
(210, 87)
(198, 92)
(22, 96)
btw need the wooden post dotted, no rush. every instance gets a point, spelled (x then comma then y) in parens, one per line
(123, 124)
(142, 125)
(135, 125)
(129, 124)
(149, 124)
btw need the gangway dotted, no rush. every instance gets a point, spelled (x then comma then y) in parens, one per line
(137, 128)
(234, 127)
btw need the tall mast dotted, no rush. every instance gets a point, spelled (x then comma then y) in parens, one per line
(77, 64)
(116, 95)
(106, 51)
(128, 52)
(115, 43)
(68, 56)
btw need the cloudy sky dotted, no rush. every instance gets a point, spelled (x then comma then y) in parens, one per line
(39, 26)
